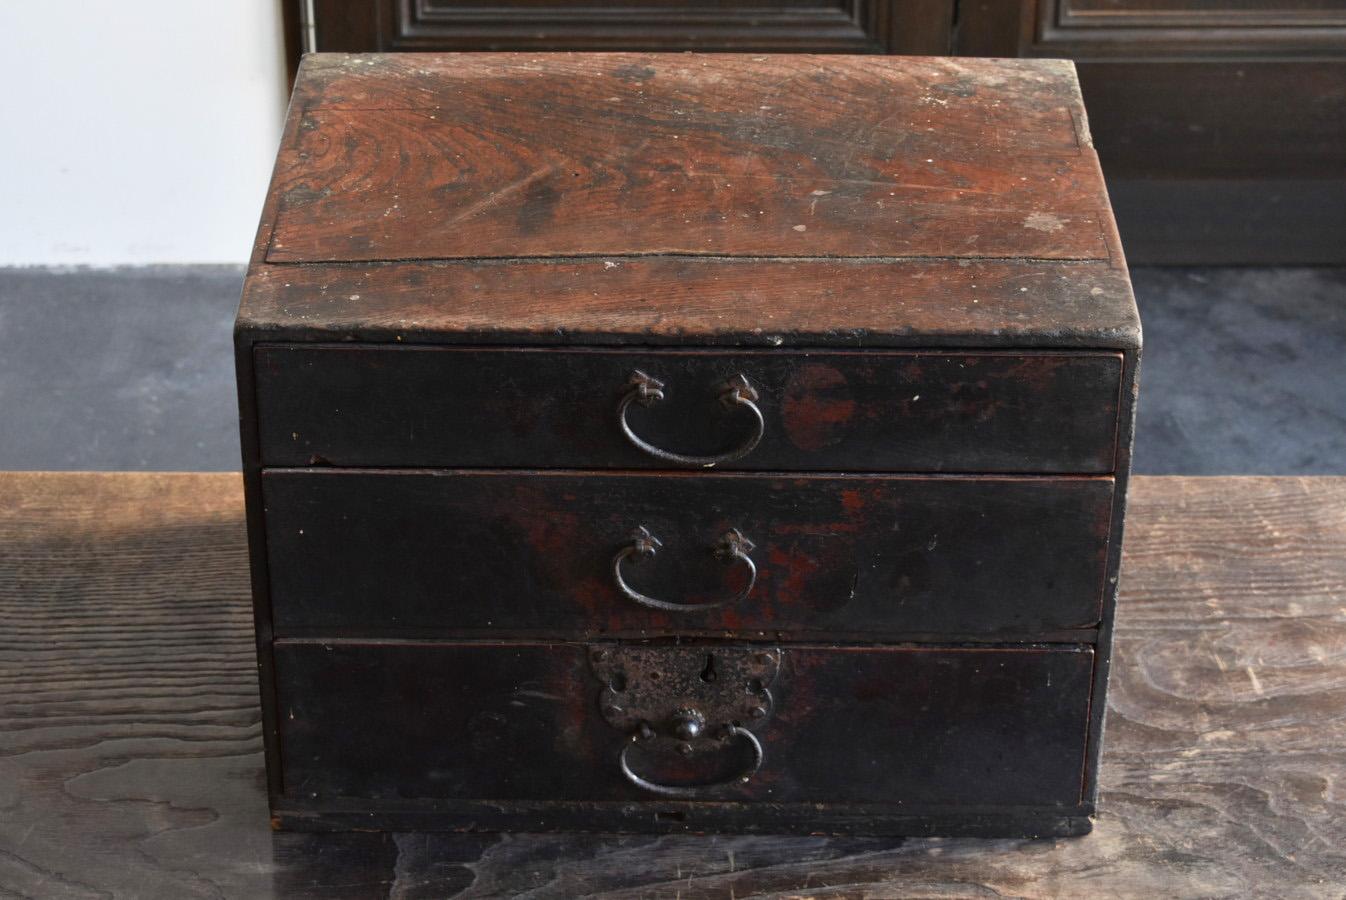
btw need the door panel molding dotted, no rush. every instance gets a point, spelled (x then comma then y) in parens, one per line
(1181, 29)
(799, 26)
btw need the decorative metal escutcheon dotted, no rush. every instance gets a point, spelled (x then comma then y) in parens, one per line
(700, 700)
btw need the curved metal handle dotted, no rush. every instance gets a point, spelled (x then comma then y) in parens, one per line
(733, 547)
(694, 790)
(648, 391)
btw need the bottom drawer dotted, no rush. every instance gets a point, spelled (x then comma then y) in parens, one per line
(400, 721)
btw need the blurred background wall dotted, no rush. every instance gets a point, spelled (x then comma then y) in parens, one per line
(137, 132)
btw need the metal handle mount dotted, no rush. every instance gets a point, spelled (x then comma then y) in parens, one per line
(700, 700)
(737, 394)
(733, 547)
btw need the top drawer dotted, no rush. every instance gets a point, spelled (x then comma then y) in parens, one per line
(379, 405)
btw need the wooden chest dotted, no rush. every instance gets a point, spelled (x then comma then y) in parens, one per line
(686, 442)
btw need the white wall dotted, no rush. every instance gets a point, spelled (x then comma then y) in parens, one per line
(136, 131)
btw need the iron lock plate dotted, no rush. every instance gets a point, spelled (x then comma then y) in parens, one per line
(684, 693)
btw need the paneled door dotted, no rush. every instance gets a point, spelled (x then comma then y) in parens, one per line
(1221, 124)
(804, 26)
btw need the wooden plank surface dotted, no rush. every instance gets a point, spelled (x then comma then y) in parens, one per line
(683, 198)
(450, 156)
(679, 300)
(130, 759)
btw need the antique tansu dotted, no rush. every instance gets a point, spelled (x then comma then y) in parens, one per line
(686, 443)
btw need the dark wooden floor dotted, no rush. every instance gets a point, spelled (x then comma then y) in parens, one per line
(130, 760)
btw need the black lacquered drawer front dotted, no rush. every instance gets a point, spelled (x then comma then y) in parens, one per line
(536, 722)
(380, 406)
(435, 552)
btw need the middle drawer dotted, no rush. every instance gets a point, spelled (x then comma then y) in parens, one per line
(390, 552)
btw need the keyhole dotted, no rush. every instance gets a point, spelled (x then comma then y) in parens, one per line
(708, 673)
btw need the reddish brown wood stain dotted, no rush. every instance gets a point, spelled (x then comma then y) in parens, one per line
(529, 552)
(455, 156)
(817, 407)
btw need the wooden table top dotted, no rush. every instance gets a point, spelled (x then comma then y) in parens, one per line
(131, 762)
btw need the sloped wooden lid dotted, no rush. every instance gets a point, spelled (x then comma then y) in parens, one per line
(777, 200)
(414, 156)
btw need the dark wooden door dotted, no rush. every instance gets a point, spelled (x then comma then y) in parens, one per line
(1221, 124)
(800, 26)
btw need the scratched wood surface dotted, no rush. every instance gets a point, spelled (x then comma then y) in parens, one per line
(676, 198)
(130, 759)
(680, 300)
(441, 156)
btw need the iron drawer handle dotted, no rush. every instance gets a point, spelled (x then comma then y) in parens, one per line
(647, 391)
(694, 790)
(733, 547)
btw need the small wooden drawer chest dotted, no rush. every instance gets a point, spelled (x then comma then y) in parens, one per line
(686, 443)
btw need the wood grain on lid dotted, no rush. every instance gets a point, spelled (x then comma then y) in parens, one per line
(457, 156)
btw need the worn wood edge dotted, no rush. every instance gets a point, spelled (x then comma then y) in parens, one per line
(1121, 339)
(744, 474)
(318, 71)
(901, 639)
(521, 639)
(255, 517)
(700, 817)
(536, 302)
(1128, 394)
